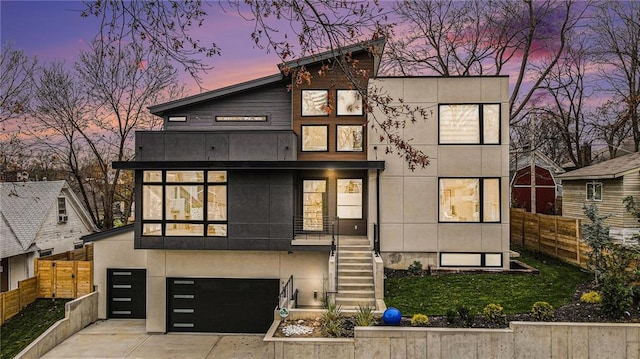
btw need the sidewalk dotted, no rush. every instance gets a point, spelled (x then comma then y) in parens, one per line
(120, 338)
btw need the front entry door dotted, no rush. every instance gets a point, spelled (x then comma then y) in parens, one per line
(313, 204)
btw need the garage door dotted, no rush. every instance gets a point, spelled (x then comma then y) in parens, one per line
(126, 293)
(221, 305)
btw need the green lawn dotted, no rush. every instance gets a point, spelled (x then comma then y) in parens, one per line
(18, 332)
(433, 295)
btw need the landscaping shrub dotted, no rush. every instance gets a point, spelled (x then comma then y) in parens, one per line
(419, 320)
(415, 268)
(542, 311)
(364, 316)
(591, 297)
(616, 298)
(332, 322)
(495, 313)
(465, 314)
(451, 315)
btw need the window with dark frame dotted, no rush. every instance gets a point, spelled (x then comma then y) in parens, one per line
(315, 138)
(594, 191)
(184, 203)
(349, 138)
(315, 103)
(241, 118)
(469, 124)
(349, 103)
(470, 200)
(177, 118)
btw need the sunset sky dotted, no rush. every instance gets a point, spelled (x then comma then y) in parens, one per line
(54, 30)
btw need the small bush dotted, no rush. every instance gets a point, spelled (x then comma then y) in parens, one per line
(591, 297)
(451, 315)
(364, 316)
(332, 322)
(495, 313)
(415, 268)
(465, 314)
(419, 320)
(542, 311)
(616, 298)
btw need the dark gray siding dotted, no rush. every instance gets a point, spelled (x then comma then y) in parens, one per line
(273, 101)
(260, 214)
(216, 146)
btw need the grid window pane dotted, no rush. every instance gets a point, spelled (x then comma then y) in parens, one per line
(491, 124)
(459, 200)
(185, 176)
(217, 230)
(152, 176)
(184, 202)
(151, 202)
(459, 124)
(315, 138)
(491, 200)
(217, 203)
(184, 229)
(349, 198)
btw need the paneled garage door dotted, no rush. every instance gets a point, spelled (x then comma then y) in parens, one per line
(127, 293)
(221, 305)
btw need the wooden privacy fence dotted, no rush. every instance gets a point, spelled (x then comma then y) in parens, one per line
(557, 236)
(63, 279)
(13, 301)
(81, 254)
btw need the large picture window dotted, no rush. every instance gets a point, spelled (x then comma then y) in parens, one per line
(349, 138)
(174, 203)
(349, 103)
(469, 124)
(315, 102)
(469, 200)
(315, 138)
(594, 191)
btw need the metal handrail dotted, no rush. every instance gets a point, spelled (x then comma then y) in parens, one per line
(287, 294)
(376, 239)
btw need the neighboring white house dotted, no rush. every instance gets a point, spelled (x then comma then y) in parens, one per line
(38, 219)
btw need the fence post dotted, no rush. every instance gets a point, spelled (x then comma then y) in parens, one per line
(538, 230)
(578, 241)
(555, 233)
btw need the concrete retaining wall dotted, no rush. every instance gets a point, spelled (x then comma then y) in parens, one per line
(520, 340)
(78, 314)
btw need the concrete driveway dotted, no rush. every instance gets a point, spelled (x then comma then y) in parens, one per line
(120, 338)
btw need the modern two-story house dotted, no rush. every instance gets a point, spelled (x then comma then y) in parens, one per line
(268, 190)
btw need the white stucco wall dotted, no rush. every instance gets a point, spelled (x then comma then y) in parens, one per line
(409, 228)
(309, 270)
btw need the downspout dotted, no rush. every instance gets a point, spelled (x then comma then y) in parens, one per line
(377, 234)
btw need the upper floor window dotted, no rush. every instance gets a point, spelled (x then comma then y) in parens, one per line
(315, 102)
(177, 118)
(62, 210)
(594, 191)
(241, 118)
(469, 123)
(184, 203)
(469, 200)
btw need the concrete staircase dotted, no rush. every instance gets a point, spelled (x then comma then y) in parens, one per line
(355, 273)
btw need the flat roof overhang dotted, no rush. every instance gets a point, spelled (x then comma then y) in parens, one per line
(250, 165)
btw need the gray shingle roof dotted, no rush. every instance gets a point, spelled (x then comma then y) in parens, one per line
(613, 168)
(24, 206)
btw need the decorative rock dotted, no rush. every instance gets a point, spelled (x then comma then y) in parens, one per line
(296, 329)
(392, 316)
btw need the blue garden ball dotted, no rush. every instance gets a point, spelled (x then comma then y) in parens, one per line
(391, 316)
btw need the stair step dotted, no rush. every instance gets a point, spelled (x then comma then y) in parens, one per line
(355, 279)
(355, 265)
(362, 260)
(356, 247)
(354, 286)
(367, 294)
(352, 303)
(354, 273)
(353, 254)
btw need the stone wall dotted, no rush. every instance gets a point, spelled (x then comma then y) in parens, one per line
(520, 340)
